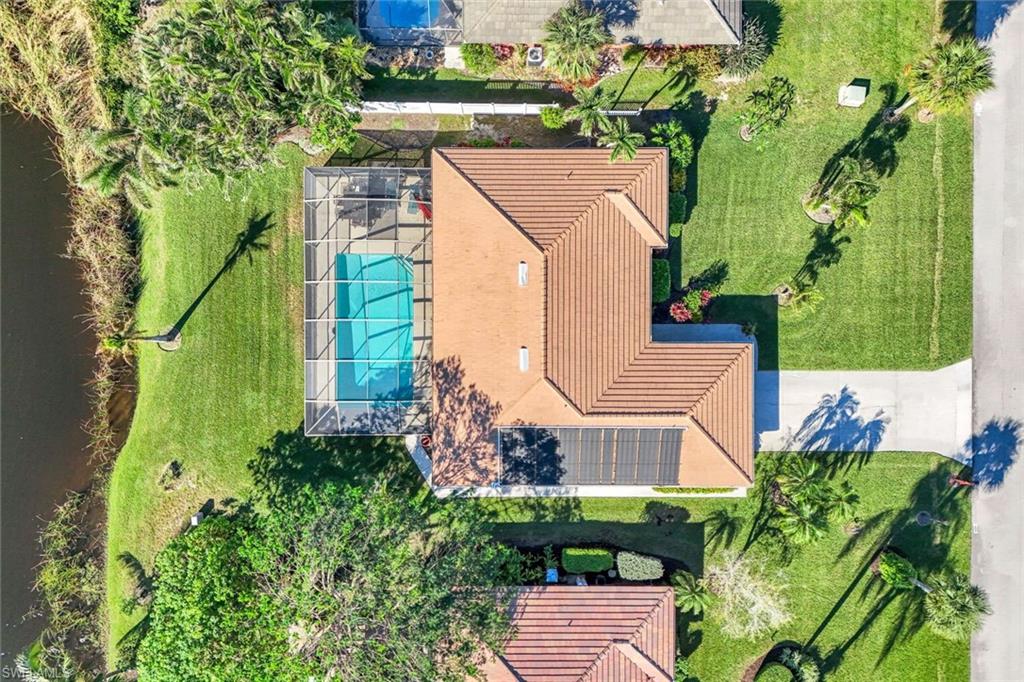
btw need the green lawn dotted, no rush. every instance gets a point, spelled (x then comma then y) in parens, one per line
(237, 378)
(899, 296)
(873, 634)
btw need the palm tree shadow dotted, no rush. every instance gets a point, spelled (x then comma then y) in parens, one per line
(247, 243)
(993, 450)
(835, 426)
(826, 251)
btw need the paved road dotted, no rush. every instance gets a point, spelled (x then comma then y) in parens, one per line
(997, 563)
(865, 411)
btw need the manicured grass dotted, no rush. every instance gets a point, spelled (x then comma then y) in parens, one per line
(899, 296)
(237, 378)
(451, 85)
(873, 634)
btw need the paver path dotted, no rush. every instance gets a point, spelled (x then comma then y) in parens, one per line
(997, 561)
(865, 411)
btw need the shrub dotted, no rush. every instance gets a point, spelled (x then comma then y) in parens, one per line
(479, 58)
(897, 571)
(553, 118)
(116, 19)
(692, 593)
(679, 312)
(633, 566)
(549, 557)
(661, 286)
(774, 672)
(703, 62)
(803, 667)
(586, 560)
(672, 135)
(750, 602)
(744, 59)
(675, 230)
(676, 207)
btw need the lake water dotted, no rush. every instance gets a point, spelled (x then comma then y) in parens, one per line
(45, 362)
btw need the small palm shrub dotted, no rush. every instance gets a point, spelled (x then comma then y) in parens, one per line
(897, 571)
(947, 77)
(661, 285)
(692, 595)
(954, 608)
(803, 667)
(768, 107)
(553, 118)
(740, 61)
(633, 566)
(672, 135)
(479, 58)
(590, 110)
(586, 560)
(574, 36)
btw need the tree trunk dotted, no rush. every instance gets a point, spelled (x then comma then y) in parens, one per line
(924, 587)
(909, 102)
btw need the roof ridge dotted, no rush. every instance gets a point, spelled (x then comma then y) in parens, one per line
(746, 347)
(717, 11)
(487, 197)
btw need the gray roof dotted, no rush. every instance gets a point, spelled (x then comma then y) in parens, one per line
(668, 22)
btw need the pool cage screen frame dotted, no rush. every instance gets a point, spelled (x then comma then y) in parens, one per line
(366, 210)
(444, 29)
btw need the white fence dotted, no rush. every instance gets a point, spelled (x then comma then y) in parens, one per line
(459, 108)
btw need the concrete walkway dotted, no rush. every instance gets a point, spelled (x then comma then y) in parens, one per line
(865, 411)
(997, 562)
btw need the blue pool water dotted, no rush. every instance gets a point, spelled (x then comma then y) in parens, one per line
(375, 327)
(402, 13)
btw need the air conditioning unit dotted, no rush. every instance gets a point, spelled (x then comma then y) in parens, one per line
(535, 56)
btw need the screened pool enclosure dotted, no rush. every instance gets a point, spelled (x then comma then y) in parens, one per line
(367, 300)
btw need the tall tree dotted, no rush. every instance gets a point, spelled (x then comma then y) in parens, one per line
(349, 583)
(590, 110)
(574, 35)
(947, 77)
(622, 140)
(221, 80)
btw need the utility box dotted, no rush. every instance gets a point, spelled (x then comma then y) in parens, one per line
(852, 95)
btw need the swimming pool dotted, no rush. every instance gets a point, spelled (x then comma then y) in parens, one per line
(402, 13)
(375, 327)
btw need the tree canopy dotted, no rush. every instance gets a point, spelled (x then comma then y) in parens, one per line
(354, 583)
(573, 38)
(220, 80)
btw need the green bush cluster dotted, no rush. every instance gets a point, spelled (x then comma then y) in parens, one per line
(676, 208)
(774, 672)
(740, 61)
(633, 566)
(661, 286)
(897, 571)
(675, 230)
(553, 118)
(479, 58)
(586, 560)
(703, 62)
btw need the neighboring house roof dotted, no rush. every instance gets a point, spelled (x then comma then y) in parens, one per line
(619, 633)
(667, 22)
(584, 228)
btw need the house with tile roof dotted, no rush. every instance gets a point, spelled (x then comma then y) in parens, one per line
(623, 633)
(546, 376)
(645, 22)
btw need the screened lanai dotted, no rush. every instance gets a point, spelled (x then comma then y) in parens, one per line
(367, 300)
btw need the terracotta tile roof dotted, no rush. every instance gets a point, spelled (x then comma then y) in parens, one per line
(593, 224)
(593, 634)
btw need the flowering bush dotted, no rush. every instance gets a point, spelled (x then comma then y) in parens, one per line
(692, 306)
(679, 312)
(504, 52)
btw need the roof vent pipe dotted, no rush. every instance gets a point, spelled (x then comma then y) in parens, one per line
(524, 359)
(524, 273)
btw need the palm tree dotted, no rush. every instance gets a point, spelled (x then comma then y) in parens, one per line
(768, 107)
(622, 140)
(574, 36)
(947, 77)
(855, 187)
(843, 503)
(798, 474)
(803, 522)
(954, 607)
(692, 594)
(590, 110)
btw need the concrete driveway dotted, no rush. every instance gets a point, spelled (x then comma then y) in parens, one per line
(997, 561)
(865, 411)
